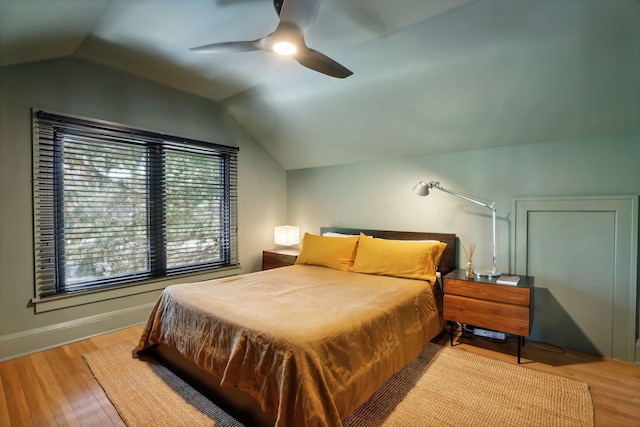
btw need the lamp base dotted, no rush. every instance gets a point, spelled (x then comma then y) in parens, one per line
(487, 274)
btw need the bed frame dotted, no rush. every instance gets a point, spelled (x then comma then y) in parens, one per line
(242, 406)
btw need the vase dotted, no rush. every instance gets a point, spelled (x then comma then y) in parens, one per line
(468, 270)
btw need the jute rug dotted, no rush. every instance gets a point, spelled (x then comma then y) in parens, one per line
(442, 387)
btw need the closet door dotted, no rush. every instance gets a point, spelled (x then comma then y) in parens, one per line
(583, 255)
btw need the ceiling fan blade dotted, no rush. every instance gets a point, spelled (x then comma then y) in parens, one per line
(301, 13)
(228, 47)
(316, 61)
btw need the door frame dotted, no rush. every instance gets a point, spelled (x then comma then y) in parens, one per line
(625, 342)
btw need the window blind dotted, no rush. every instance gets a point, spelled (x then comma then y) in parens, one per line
(115, 205)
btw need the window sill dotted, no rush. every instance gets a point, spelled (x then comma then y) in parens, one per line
(58, 302)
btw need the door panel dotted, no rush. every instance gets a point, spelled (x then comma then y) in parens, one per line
(571, 255)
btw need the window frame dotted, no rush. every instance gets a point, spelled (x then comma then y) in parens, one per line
(46, 198)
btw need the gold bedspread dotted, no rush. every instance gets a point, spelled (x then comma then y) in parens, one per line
(311, 344)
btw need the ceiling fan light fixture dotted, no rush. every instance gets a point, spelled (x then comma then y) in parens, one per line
(285, 48)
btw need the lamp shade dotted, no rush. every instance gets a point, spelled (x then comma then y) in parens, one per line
(421, 189)
(286, 235)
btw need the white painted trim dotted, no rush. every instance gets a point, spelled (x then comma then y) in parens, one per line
(38, 339)
(43, 305)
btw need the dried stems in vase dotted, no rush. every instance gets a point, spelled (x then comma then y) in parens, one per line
(469, 269)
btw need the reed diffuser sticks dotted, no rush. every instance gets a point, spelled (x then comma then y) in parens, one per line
(472, 249)
(469, 272)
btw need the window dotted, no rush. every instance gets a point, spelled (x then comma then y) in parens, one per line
(120, 206)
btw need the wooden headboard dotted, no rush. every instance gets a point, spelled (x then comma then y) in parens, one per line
(447, 261)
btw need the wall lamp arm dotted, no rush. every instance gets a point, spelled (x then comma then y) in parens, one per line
(422, 189)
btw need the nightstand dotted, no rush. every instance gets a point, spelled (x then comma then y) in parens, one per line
(481, 302)
(279, 257)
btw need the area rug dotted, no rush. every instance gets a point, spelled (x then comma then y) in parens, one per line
(444, 386)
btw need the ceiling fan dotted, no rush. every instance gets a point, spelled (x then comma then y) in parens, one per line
(296, 17)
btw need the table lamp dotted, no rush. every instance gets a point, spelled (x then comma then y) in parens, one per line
(422, 189)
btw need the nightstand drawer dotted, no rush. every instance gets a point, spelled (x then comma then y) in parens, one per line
(272, 259)
(488, 291)
(510, 318)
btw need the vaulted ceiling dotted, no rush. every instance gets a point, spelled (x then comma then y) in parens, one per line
(430, 76)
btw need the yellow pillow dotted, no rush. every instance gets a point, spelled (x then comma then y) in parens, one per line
(408, 259)
(332, 252)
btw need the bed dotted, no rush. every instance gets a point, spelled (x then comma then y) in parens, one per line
(305, 345)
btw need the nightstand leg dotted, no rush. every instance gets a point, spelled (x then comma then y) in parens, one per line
(520, 339)
(451, 330)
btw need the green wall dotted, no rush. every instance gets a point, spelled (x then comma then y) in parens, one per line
(377, 195)
(80, 88)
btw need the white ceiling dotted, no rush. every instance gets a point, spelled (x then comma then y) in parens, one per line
(430, 76)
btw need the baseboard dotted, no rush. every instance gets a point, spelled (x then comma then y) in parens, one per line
(38, 339)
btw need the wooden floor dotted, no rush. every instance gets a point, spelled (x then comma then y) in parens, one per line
(55, 388)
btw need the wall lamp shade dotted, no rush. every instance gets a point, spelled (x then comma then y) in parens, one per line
(422, 189)
(286, 235)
